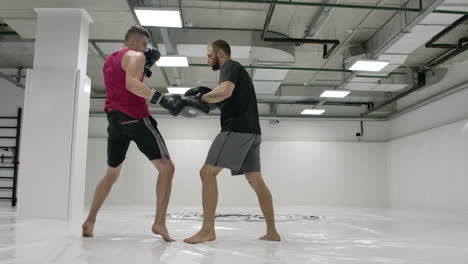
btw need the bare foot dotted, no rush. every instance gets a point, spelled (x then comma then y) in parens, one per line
(271, 237)
(87, 228)
(201, 236)
(162, 231)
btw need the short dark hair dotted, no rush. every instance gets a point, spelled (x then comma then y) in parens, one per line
(136, 30)
(221, 45)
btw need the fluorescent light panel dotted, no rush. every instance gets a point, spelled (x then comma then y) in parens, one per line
(369, 65)
(172, 61)
(154, 17)
(335, 94)
(313, 112)
(177, 89)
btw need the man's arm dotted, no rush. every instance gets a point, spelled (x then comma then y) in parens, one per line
(133, 64)
(220, 93)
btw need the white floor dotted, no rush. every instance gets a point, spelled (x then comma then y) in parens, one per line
(343, 235)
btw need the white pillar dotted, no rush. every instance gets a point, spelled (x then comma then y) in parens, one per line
(55, 124)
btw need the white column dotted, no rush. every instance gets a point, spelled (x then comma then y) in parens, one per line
(55, 125)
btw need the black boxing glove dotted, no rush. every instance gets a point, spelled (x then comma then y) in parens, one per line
(152, 55)
(171, 102)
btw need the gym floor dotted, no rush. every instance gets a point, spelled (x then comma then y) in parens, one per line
(337, 235)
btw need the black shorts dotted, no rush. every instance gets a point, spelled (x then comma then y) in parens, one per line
(144, 132)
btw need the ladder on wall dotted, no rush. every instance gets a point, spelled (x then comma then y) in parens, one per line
(9, 150)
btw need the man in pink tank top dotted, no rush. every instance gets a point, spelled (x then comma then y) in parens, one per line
(129, 120)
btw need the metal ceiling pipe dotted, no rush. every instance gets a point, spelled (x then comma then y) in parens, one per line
(450, 46)
(267, 117)
(315, 102)
(237, 29)
(319, 21)
(391, 100)
(286, 39)
(324, 42)
(421, 83)
(433, 98)
(383, 8)
(304, 69)
(269, 16)
(303, 41)
(444, 32)
(297, 102)
(317, 24)
(181, 14)
(451, 12)
(96, 47)
(446, 56)
(280, 68)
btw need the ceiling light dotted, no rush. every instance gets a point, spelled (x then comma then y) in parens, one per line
(369, 65)
(313, 112)
(177, 89)
(335, 94)
(156, 17)
(172, 61)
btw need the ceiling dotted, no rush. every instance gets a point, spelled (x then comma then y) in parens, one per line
(288, 77)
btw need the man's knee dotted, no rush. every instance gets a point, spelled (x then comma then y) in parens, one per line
(207, 172)
(165, 166)
(204, 172)
(254, 178)
(170, 168)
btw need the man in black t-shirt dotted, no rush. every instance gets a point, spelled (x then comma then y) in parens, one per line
(237, 146)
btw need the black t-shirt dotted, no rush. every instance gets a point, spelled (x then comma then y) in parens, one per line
(239, 113)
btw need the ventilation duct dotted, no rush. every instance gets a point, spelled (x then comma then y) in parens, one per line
(397, 40)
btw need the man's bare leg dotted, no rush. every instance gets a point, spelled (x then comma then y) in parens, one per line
(208, 175)
(100, 194)
(163, 192)
(266, 204)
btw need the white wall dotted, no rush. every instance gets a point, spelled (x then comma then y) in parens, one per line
(429, 170)
(300, 164)
(428, 156)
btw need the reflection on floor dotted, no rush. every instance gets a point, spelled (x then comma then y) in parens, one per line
(341, 235)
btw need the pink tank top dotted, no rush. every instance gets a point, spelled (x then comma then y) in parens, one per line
(118, 97)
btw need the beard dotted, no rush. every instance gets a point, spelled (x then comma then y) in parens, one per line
(215, 66)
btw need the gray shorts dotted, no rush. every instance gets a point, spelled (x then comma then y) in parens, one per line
(239, 152)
